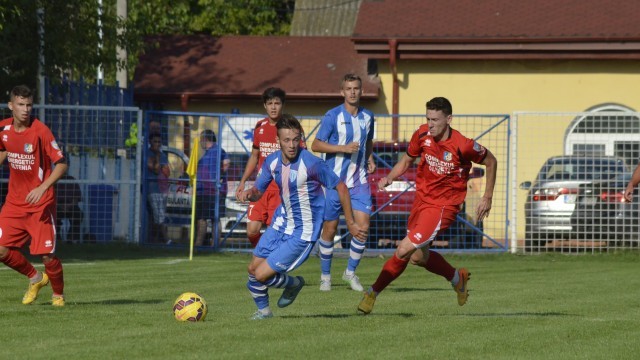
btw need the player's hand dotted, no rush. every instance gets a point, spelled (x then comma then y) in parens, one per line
(244, 196)
(35, 195)
(383, 183)
(351, 148)
(239, 190)
(371, 166)
(483, 209)
(357, 232)
(628, 192)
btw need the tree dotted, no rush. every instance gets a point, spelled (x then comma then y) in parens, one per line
(73, 48)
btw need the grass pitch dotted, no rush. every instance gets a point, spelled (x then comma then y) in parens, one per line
(119, 301)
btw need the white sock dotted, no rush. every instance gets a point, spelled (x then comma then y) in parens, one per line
(265, 311)
(36, 278)
(348, 273)
(456, 278)
(325, 277)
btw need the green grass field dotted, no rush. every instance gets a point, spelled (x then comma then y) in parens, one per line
(119, 301)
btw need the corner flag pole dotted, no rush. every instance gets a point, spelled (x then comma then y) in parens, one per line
(192, 171)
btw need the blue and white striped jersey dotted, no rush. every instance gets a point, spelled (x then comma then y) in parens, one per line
(300, 182)
(339, 127)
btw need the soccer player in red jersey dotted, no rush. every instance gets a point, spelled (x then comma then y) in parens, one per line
(30, 208)
(447, 157)
(264, 143)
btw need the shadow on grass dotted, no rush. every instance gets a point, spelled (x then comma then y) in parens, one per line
(405, 289)
(114, 302)
(344, 316)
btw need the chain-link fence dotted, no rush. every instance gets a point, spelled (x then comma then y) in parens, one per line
(569, 174)
(391, 208)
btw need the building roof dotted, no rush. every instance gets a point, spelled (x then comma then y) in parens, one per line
(234, 67)
(324, 17)
(557, 28)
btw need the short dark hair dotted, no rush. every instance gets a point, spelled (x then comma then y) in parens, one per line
(272, 93)
(350, 77)
(209, 135)
(20, 91)
(288, 121)
(440, 104)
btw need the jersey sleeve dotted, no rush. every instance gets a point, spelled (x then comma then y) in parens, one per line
(264, 176)
(324, 175)
(50, 146)
(256, 143)
(327, 126)
(414, 149)
(473, 151)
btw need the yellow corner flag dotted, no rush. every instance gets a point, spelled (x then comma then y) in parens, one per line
(192, 171)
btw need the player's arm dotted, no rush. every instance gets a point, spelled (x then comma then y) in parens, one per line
(3, 156)
(345, 201)
(484, 206)
(633, 182)
(252, 195)
(248, 170)
(371, 164)
(398, 169)
(58, 171)
(324, 147)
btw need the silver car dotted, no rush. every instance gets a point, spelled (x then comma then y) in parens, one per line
(552, 195)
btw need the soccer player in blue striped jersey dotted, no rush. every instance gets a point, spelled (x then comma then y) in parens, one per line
(297, 223)
(345, 137)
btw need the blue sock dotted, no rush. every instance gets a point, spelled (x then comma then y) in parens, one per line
(280, 281)
(326, 255)
(355, 253)
(259, 292)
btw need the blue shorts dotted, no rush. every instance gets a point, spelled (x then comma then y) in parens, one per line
(283, 252)
(360, 200)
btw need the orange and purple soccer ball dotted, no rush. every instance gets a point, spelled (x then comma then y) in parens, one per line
(190, 307)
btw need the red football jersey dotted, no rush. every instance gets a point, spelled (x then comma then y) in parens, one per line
(31, 154)
(446, 165)
(264, 139)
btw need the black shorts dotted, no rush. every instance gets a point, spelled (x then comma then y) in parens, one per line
(206, 206)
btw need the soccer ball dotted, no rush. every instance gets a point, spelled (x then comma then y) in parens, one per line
(190, 307)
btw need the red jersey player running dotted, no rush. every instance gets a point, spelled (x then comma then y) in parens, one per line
(447, 157)
(30, 207)
(264, 143)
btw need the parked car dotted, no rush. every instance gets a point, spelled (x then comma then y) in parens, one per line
(179, 196)
(602, 212)
(391, 208)
(551, 197)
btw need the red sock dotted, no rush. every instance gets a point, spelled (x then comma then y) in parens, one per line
(54, 270)
(19, 263)
(393, 268)
(439, 266)
(253, 239)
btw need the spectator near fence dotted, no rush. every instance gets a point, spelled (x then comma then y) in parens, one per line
(69, 215)
(30, 207)
(158, 173)
(208, 187)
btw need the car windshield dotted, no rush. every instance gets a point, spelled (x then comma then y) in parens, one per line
(581, 169)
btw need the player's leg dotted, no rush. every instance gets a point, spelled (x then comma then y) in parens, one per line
(43, 243)
(329, 230)
(14, 236)
(361, 204)
(434, 262)
(204, 211)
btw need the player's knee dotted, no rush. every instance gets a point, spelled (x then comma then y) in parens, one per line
(47, 258)
(4, 251)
